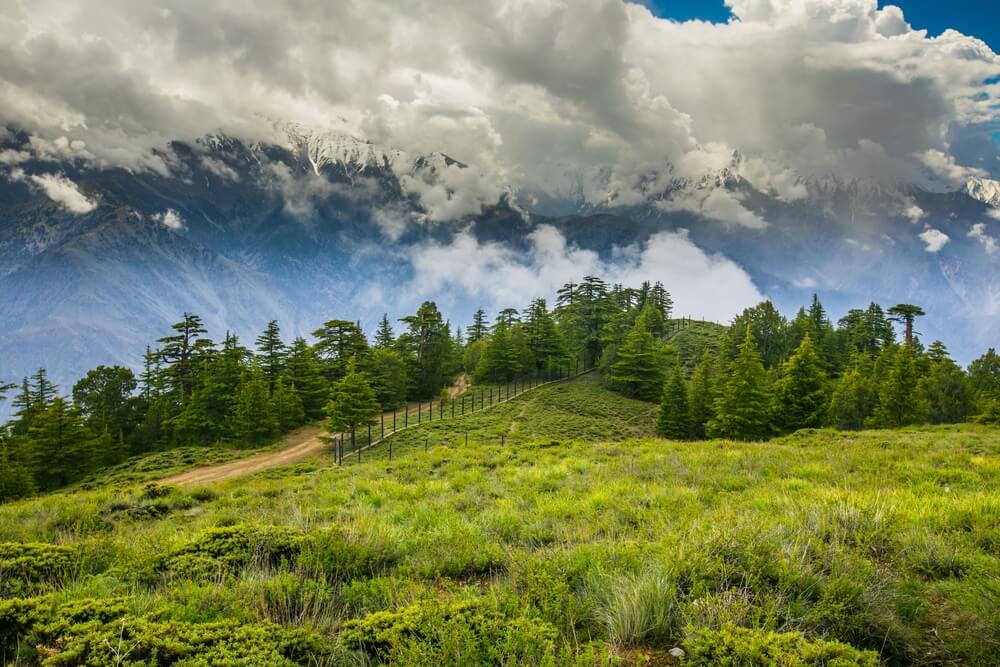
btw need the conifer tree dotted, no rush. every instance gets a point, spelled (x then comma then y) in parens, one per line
(179, 352)
(852, 402)
(702, 396)
(801, 392)
(61, 446)
(388, 378)
(104, 397)
(946, 390)
(339, 341)
(674, 419)
(384, 336)
(302, 371)
(271, 352)
(252, 422)
(899, 402)
(742, 406)
(542, 337)
(428, 346)
(353, 403)
(479, 329)
(638, 372)
(286, 404)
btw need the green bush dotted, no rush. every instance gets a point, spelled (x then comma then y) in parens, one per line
(29, 568)
(332, 554)
(731, 646)
(230, 548)
(436, 633)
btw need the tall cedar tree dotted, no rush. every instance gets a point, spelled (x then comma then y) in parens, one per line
(479, 329)
(353, 404)
(302, 371)
(899, 402)
(339, 341)
(638, 372)
(271, 352)
(62, 446)
(384, 336)
(742, 408)
(104, 397)
(427, 344)
(388, 376)
(543, 340)
(178, 353)
(945, 389)
(674, 420)
(702, 396)
(801, 393)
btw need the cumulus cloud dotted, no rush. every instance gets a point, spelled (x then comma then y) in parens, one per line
(170, 219)
(715, 204)
(934, 239)
(589, 98)
(978, 232)
(220, 169)
(64, 192)
(704, 284)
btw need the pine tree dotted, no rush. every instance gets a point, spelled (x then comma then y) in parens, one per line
(899, 402)
(906, 313)
(384, 336)
(252, 422)
(339, 341)
(353, 404)
(543, 340)
(801, 393)
(428, 347)
(702, 397)
(104, 397)
(179, 352)
(741, 409)
(15, 477)
(388, 377)
(302, 371)
(946, 391)
(674, 420)
(852, 402)
(286, 404)
(271, 351)
(638, 372)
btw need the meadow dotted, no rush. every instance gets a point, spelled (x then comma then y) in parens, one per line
(563, 533)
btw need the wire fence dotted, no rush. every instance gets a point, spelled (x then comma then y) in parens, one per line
(473, 401)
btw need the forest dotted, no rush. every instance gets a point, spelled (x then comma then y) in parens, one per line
(758, 377)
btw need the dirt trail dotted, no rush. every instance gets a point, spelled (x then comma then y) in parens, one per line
(299, 445)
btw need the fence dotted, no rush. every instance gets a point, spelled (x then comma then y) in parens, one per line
(382, 430)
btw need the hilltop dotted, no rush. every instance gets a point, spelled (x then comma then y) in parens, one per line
(578, 540)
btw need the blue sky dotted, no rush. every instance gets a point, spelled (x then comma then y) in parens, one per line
(980, 18)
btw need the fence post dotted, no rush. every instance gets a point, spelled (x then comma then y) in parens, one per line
(381, 426)
(406, 416)
(394, 420)
(369, 434)
(466, 438)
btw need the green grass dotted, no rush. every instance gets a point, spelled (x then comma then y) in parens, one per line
(694, 338)
(575, 544)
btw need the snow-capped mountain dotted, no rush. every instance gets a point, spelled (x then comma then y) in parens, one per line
(296, 230)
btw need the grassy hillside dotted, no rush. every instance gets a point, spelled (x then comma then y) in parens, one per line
(582, 541)
(693, 338)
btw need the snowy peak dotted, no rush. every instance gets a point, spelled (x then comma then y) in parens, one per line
(332, 148)
(984, 190)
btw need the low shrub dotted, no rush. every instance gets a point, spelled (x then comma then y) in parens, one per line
(732, 646)
(230, 548)
(29, 568)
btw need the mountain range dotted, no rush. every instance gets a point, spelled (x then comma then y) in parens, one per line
(319, 225)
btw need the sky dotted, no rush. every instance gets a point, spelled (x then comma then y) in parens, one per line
(979, 18)
(602, 102)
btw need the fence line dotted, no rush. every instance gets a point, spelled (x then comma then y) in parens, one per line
(339, 443)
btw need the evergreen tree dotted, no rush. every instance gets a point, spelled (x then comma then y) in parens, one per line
(852, 402)
(179, 352)
(252, 421)
(388, 376)
(542, 337)
(741, 409)
(984, 374)
(907, 314)
(651, 319)
(946, 391)
(769, 330)
(61, 445)
(104, 397)
(15, 477)
(302, 371)
(427, 345)
(674, 420)
(702, 396)
(638, 372)
(286, 404)
(384, 336)
(353, 404)
(271, 352)
(479, 329)
(899, 402)
(801, 393)
(339, 341)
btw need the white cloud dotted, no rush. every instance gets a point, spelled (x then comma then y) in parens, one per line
(807, 282)
(10, 156)
(914, 213)
(935, 239)
(978, 232)
(994, 213)
(703, 284)
(567, 97)
(220, 169)
(170, 219)
(64, 192)
(715, 204)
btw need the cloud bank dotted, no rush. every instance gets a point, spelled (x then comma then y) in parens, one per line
(584, 98)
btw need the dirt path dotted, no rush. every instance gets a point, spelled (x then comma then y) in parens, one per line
(299, 445)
